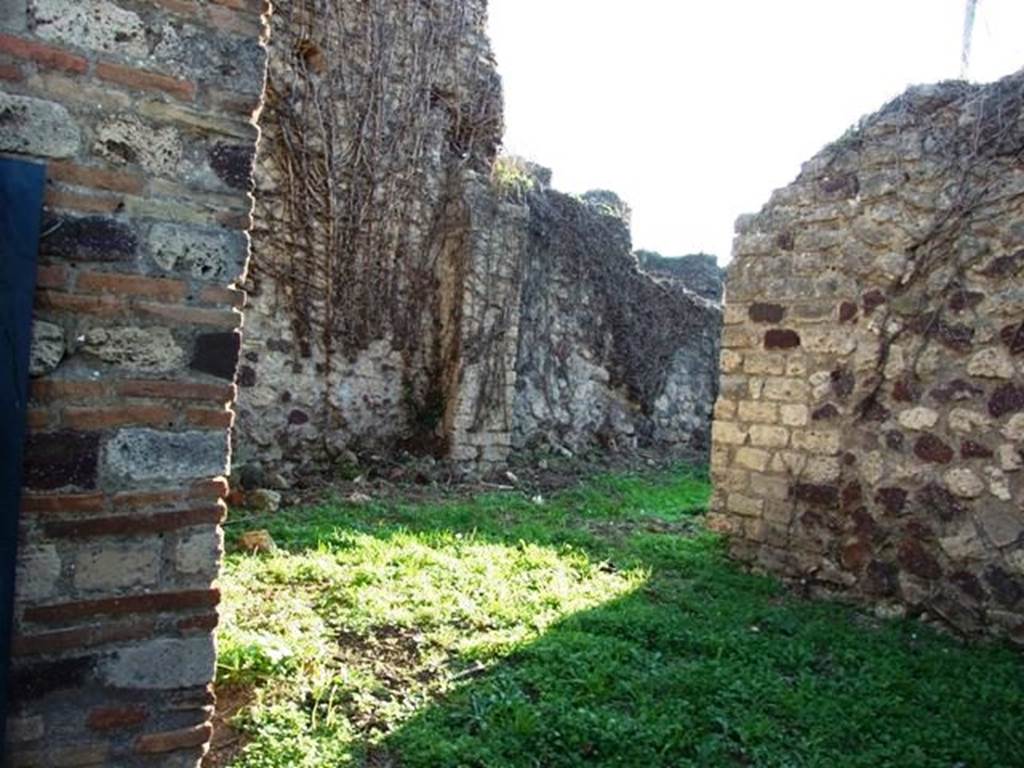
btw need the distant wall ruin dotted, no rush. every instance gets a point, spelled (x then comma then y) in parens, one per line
(869, 434)
(404, 297)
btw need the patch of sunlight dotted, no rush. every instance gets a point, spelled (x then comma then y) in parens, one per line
(343, 643)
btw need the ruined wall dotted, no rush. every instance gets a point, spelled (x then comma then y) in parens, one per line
(142, 113)
(378, 114)
(608, 355)
(699, 271)
(392, 264)
(869, 434)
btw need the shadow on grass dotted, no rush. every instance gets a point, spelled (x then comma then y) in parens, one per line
(696, 665)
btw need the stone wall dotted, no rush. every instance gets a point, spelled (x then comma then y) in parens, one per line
(869, 433)
(379, 116)
(142, 113)
(609, 356)
(407, 296)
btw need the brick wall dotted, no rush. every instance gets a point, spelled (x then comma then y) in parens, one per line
(142, 112)
(869, 433)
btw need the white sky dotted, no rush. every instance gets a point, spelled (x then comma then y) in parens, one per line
(695, 110)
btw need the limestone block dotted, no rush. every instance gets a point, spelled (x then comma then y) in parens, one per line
(147, 454)
(918, 418)
(753, 458)
(117, 566)
(824, 442)
(785, 389)
(144, 349)
(769, 486)
(794, 415)
(35, 127)
(991, 363)
(966, 422)
(47, 348)
(729, 433)
(758, 411)
(127, 140)
(39, 569)
(162, 664)
(99, 25)
(199, 552)
(744, 505)
(769, 437)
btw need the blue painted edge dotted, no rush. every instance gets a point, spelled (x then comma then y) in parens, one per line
(21, 206)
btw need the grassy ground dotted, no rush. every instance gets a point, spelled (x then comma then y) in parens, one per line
(602, 627)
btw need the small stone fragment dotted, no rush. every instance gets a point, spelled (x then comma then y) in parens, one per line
(257, 542)
(264, 500)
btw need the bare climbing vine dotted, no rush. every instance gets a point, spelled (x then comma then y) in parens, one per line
(357, 94)
(937, 281)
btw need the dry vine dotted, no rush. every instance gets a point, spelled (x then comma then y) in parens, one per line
(371, 110)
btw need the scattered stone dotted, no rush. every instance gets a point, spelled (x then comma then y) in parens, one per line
(263, 500)
(257, 542)
(360, 499)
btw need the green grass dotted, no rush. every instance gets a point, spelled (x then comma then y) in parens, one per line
(603, 627)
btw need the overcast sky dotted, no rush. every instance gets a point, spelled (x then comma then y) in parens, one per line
(695, 110)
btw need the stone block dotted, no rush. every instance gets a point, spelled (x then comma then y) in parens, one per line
(991, 363)
(769, 437)
(89, 238)
(126, 140)
(964, 483)
(758, 412)
(769, 487)
(211, 255)
(147, 454)
(745, 506)
(217, 354)
(823, 442)
(785, 389)
(111, 567)
(1002, 525)
(99, 25)
(729, 433)
(162, 664)
(918, 418)
(143, 349)
(199, 552)
(31, 126)
(47, 348)
(39, 571)
(61, 459)
(759, 364)
(753, 458)
(794, 415)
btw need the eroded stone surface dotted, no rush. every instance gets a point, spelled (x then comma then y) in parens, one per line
(891, 326)
(36, 127)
